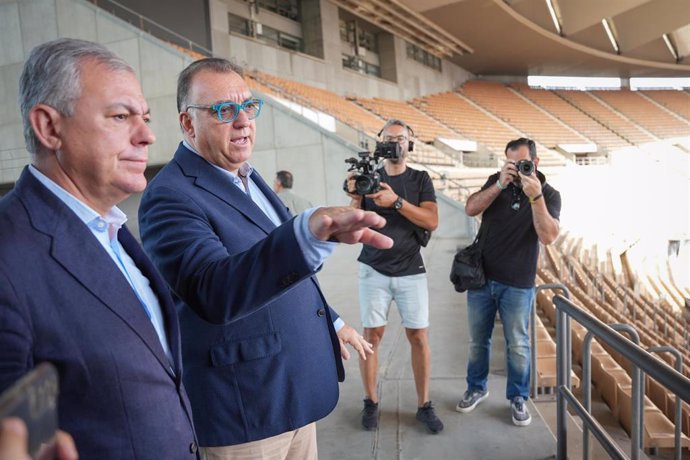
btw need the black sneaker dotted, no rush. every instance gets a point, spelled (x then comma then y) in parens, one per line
(427, 416)
(370, 415)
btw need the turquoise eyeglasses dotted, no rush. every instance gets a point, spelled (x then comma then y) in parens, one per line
(229, 111)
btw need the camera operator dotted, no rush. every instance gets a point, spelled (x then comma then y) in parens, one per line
(519, 210)
(407, 200)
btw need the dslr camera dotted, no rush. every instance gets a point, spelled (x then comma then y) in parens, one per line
(367, 180)
(526, 167)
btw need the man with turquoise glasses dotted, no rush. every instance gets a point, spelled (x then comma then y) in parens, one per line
(261, 347)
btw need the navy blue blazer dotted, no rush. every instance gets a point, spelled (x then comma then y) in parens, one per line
(63, 300)
(260, 353)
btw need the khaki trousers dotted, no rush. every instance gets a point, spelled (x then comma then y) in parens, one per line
(299, 444)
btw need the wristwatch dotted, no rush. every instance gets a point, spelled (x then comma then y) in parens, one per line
(398, 204)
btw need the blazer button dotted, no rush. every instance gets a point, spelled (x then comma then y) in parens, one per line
(321, 312)
(193, 447)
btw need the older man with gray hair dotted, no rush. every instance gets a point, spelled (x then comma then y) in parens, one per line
(76, 289)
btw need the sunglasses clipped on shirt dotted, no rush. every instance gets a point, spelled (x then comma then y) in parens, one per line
(228, 112)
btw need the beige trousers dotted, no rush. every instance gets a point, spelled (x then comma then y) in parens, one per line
(293, 445)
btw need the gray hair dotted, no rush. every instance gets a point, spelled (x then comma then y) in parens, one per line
(51, 76)
(396, 122)
(184, 81)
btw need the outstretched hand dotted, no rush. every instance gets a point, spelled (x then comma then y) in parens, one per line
(349, 225)
(348, 335)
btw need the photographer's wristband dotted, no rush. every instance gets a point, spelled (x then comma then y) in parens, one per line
(499, 185)
(532, 200)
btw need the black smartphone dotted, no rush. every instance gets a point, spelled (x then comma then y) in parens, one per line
(33, 398)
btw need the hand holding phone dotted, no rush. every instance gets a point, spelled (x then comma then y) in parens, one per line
(33, 399)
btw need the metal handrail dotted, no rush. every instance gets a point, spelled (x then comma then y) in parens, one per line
(598, 431)
(663, 373)
(533, 336)
(637, 393)
(679, 405)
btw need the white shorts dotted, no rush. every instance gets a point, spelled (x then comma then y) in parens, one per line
(376, 291)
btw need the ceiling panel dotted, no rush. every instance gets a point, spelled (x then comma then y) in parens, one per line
(581, 14)
(517, 37)
(635, 28)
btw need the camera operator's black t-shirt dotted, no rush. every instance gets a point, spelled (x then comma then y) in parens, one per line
(404, 257)
(512, 247)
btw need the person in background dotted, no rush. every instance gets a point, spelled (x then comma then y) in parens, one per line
(282, 185)
(408, 202)
(519, 210)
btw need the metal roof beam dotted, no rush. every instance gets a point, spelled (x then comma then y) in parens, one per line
(399, 20)
(635, 28)
(578, 15)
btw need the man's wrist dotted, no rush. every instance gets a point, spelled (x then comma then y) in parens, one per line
(532, 200)
(499, 185)
(398, 204)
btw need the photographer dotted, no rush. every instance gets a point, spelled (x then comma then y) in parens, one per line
(519, 210)
(406, 198)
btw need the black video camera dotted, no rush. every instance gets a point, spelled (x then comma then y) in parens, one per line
(367, 180)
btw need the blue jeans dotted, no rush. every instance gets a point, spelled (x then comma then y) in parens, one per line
(514, 305)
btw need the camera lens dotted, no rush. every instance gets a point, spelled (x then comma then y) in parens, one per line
(364, 184)
(526, 167)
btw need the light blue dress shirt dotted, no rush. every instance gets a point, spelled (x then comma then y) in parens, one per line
(315, 251)
(105, 230)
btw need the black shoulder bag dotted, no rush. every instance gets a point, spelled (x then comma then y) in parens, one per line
(467, 271)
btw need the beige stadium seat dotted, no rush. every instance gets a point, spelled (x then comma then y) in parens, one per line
(609, 383)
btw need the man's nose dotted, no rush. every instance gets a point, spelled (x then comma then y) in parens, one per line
(242, 119)
(143, 134)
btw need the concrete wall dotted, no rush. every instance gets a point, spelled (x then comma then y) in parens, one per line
(409, 78)
(26, 23)
(193, 24)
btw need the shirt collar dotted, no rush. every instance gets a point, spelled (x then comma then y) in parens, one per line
(245, 170)
(114, 218)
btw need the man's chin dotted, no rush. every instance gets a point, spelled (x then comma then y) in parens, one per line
(135, 184)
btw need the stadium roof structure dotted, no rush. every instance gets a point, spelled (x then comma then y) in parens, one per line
(613, 38)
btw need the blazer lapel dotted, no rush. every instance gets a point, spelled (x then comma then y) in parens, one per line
(213, 181)
(76, 249)
(160, 288)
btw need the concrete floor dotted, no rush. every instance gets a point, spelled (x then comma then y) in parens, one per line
(487, 433)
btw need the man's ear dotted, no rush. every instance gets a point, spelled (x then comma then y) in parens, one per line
(46, 123)
(186, 124)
